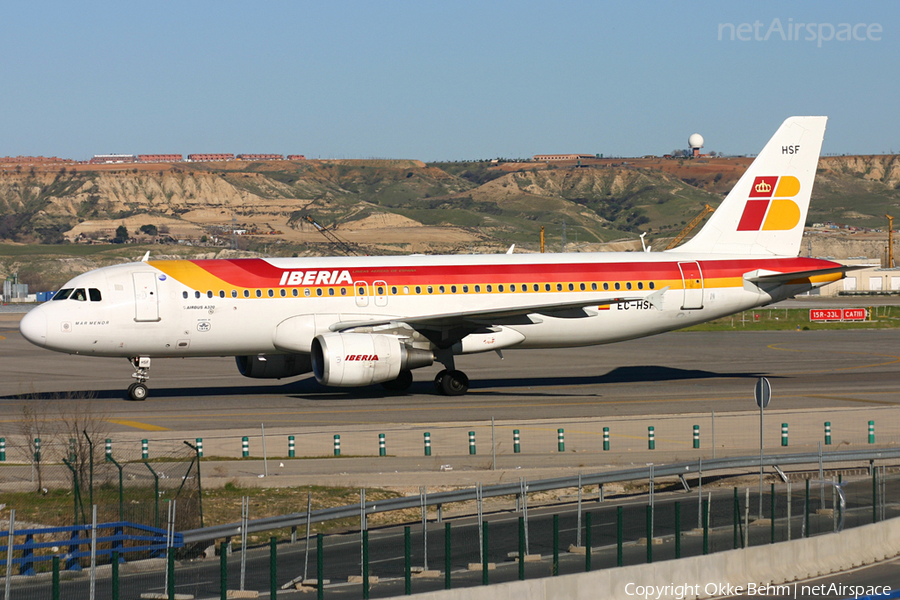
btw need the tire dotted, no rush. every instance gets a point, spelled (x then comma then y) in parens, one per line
(401, 384)
(138, 392)
(455, 383)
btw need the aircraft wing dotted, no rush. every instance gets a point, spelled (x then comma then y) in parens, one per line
(491, 316)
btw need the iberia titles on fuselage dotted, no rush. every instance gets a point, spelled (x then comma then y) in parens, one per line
(359, 321)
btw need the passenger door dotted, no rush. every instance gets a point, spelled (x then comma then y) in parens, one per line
(146, 299)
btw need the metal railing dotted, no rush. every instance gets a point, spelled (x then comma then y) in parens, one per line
(514, 489)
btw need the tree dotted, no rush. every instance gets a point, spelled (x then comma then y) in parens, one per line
(149, 230)
(121, 235)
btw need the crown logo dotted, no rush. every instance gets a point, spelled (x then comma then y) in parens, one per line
(763, 188)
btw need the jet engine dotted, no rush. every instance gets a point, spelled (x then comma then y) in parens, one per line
(357, 359)
(273, 366)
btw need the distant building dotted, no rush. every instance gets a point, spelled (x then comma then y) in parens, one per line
(260, 157)
(100, 159)
(296, 157)
(209, 157)
(159, 158)
(34, 159)
(560, 157)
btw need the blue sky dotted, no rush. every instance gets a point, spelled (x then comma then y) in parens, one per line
(439, 80)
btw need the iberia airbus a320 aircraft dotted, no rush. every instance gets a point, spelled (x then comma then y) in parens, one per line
(361, 321)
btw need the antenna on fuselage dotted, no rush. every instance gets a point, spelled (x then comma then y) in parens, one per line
(146, 257)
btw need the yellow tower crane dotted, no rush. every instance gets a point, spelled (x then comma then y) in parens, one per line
(690, 226)
(890, 256)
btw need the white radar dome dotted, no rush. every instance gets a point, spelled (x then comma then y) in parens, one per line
(695, 141)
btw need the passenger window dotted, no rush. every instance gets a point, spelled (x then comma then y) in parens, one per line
(652, 285)
(628, 286)
(500, 288)
(477, 289)
(536, 288)
(605, 286)
(465, 289)
(380, 291)
(318, 291)
(640, 285)
(209, 294)
(430, 289)
(197, 294)
(441, 289)
(418, 289)
(62, 294)
(246, 293)
(234, 293)
(183, 295)
(405, 289)
(283, 292)
(571, 287)
(489, 288)
(295, 292)
(594, 286)
(583, 287)
(558, 287)
(618, 286)
(94, 294)
(331, 291)
(306, 292)
(221, 293)
(512, 287)
(546, 287)
(343, 291)
(393, 290)
(361, 291)
(271, 293)
(259, 293)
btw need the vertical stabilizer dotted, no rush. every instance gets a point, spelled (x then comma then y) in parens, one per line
(764, 214)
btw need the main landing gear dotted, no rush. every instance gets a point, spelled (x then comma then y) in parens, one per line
(401, 384)
(139, 390)
(451, 382)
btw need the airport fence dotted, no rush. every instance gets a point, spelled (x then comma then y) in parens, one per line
(663, 517)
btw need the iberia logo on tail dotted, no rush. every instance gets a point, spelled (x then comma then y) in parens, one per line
(769, 207)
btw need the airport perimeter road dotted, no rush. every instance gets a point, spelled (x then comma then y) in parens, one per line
(666, 374)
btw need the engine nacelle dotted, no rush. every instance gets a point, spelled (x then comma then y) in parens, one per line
(273, 366)
(357, 359)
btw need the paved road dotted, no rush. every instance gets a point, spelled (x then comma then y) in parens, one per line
(667, 374)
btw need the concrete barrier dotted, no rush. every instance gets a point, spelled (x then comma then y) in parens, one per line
(775, 564)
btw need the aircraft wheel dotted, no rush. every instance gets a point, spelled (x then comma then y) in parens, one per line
(438, 381)
(401, 384)
(454, 383)
(138, 391)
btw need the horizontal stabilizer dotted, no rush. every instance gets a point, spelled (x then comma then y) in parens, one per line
(766, 276)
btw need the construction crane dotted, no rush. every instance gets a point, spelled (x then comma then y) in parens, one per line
(890, 248)
(690, 226)
(345, 247)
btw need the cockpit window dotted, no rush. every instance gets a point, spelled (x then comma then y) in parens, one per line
(79, 295)
(95, 294)
(62, 294)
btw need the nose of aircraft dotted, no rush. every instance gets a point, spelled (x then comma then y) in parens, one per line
(33, 327)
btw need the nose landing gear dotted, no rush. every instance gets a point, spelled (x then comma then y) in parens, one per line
(139, 390)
